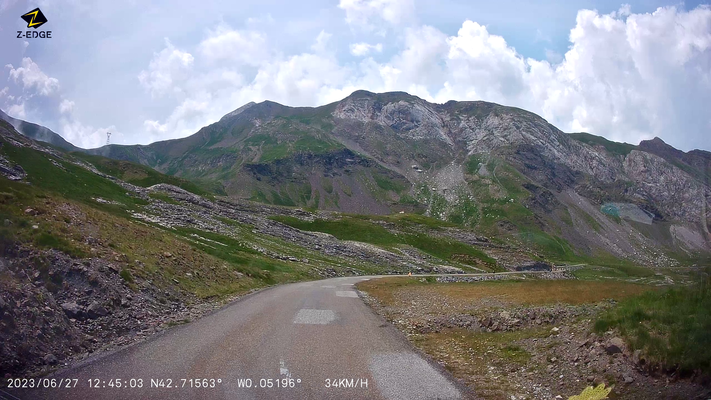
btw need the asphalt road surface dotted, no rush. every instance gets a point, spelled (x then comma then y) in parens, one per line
(311, 340)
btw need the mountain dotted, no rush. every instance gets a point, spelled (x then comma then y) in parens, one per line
(38, 132)
(502, 171)
(695, 162)
(97, 252)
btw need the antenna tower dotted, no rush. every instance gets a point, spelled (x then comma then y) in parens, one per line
(108, 138)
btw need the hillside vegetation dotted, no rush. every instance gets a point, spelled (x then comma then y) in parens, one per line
(502, 171)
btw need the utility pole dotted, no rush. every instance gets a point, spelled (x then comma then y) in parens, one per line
(108, 138)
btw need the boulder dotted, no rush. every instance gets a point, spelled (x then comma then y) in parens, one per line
(72, 310)
(96, 310)
(614, 346)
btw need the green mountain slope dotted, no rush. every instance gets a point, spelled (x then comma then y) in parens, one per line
(501, 170)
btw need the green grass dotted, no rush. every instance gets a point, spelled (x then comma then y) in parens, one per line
(49, 241)
(493, 206)
(275, 149)
(65, 212)
(474, 163)
(553, 246)
(613, 147)
(515, 354)
(126, 275)
(592, 222)
(671, 327)
(327, 185)
(242, 258)
(407, 220)
(261, 139)
(465, 212)
(448, 249)
(358, 229)
(282, 199)
(73, 182)
(604, 266)
(344, 229)
(139, 175)
(386, 183)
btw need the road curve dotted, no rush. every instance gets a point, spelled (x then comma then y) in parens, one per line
(316, 338)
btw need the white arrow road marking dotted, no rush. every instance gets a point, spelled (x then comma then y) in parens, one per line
(283, 370)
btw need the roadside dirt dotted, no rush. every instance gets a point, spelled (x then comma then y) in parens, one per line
(524, 339)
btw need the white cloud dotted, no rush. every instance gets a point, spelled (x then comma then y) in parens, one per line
(234, 46)
(320, 46)
(363, 49)
(266, 19)
(168, 68)
(633, 76)
(421, 62)
(30, 76)
(553, 56)
(185, 119)
(87, 136)
(66, 106)
(17, 110)
(370, 15)
(209, 93)
(80, 134)
(482, 66)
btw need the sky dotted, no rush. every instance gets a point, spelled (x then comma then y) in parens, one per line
(149, 71)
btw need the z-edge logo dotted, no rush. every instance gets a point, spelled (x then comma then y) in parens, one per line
(34, 18)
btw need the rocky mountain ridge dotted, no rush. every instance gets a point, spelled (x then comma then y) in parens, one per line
(501, 170)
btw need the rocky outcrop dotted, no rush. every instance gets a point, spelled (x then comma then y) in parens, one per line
(673, 191)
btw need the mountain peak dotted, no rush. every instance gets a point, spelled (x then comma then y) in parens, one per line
(657, 140)
(238, 111)
(657, 145)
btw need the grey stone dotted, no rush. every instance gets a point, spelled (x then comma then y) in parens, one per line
(72, 310)
(614, 346)
(96, 310)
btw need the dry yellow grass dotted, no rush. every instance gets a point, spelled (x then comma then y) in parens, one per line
(527, 292)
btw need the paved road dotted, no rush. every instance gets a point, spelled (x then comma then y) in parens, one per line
(311, 335)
